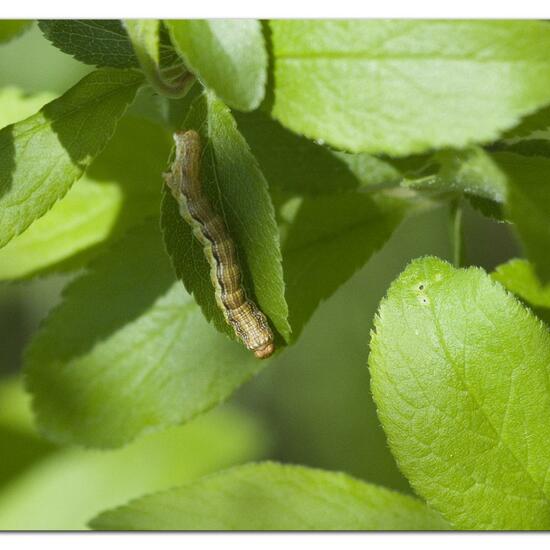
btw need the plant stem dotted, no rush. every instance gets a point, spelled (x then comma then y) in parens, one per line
(455, 226)
(175, 90)
(144, 35)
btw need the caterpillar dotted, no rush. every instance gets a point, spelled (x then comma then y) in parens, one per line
(242, 314)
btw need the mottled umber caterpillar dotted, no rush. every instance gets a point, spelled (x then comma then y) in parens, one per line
(244, 316)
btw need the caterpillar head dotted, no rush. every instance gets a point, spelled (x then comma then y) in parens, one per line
(265, 351)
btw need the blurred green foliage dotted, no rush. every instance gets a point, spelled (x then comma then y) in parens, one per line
(35, 65)
(46, 487)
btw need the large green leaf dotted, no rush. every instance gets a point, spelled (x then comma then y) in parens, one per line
(62, 488)
(273, 497)
(460, 374)
(121, 188)
(237, 189)
(299, 166)
(405, 86)
(128, 351)
(323, 229)
(11, 28)
(42, 156)
(227, 55)
(96, 42)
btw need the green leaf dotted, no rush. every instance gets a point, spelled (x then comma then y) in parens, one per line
(144, 36)
(119, 190)
(472, 172)
(519, 277)
(460, 374)
(228, 56)
(12, 28)
(236, 188)
(299, 166)
(128, 351)
(103, 43)
(323, 228)
(405, 86)
(42, 156)
(62, 488)
(272, 497)
(530, 137)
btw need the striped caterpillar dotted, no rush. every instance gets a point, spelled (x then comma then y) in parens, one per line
(241, 313)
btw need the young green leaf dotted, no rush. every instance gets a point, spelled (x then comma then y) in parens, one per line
(519, 277)
(103, 43)
(405, 86)
(128, 351)
(238, 190)
(460, 374)
(273, 497)
(119, 190)
(42, 156)
(323, 228)
(299, 166)
(145, 36)
(12, 28)
(228, 56)
(472, 172)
